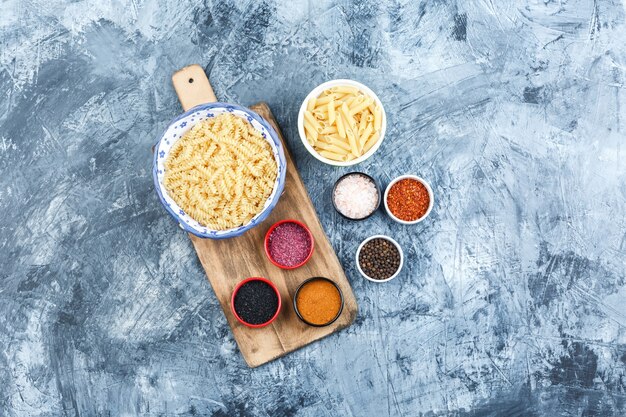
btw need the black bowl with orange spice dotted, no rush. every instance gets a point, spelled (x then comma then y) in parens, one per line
(318, 301)
(408, 199)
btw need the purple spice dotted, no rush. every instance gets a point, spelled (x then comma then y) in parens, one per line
(289, 244)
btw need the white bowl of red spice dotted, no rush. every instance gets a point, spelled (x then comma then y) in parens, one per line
(408, 199)
(356, 196)
(289, 244)
(379, 258)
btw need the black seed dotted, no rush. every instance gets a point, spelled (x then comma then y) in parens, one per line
(256, 302)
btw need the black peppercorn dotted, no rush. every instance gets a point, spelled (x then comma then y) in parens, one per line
(379, 259)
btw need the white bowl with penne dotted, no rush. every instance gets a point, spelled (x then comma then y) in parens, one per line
(342, 122)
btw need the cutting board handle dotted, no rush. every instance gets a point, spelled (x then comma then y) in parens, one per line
(192, 86)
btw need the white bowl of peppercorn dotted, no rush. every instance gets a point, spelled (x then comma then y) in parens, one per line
(379, 258)
(408, 199)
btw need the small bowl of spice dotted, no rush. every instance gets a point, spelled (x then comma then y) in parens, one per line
(289, 244)
(409, 199)
(379, 258)
(255, 302)
(318, 301)
(356, 196)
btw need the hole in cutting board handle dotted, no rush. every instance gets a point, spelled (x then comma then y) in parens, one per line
(192, 87)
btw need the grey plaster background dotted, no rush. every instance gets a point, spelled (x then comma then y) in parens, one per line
(513, 299)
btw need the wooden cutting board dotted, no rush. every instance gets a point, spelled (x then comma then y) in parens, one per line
(229, 261)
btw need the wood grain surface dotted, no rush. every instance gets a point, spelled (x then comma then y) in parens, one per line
(229, 261)
(192, 87)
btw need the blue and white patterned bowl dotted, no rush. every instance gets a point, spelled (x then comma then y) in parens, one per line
(182, 124)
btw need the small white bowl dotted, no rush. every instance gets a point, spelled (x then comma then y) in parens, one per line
(430, 194)
(319, 90)
(396, 244)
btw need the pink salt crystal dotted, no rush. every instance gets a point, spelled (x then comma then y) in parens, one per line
(356, 196)
(289, 244)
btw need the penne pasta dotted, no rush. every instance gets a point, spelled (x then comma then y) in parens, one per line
(321, 113)
(340, 127)
(355, 102)
(311, 133)
(325, 100)
(352, 140)
(350, 100)
(308, 117)
(324, 139)
(342, 123)
(329, 129)
(333, 148)
(354, 147)
(345, 89)
(362, 124)
(370, 142)
(377, 118)
(347, 119)
(359, 107)
(331, 155)
(335, 136)
(364, 136)
(341, 144)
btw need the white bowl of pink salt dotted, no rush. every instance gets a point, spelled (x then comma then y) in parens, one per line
(356, 196)
(289, 244)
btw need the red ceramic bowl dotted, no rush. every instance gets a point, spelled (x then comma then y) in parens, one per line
(267, 241)
(232, 302)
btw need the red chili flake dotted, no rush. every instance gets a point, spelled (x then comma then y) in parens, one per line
(289, 244)
(408, 199)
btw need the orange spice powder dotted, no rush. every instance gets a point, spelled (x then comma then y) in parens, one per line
(318, 302)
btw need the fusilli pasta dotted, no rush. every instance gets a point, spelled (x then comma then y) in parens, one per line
(221, 172)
